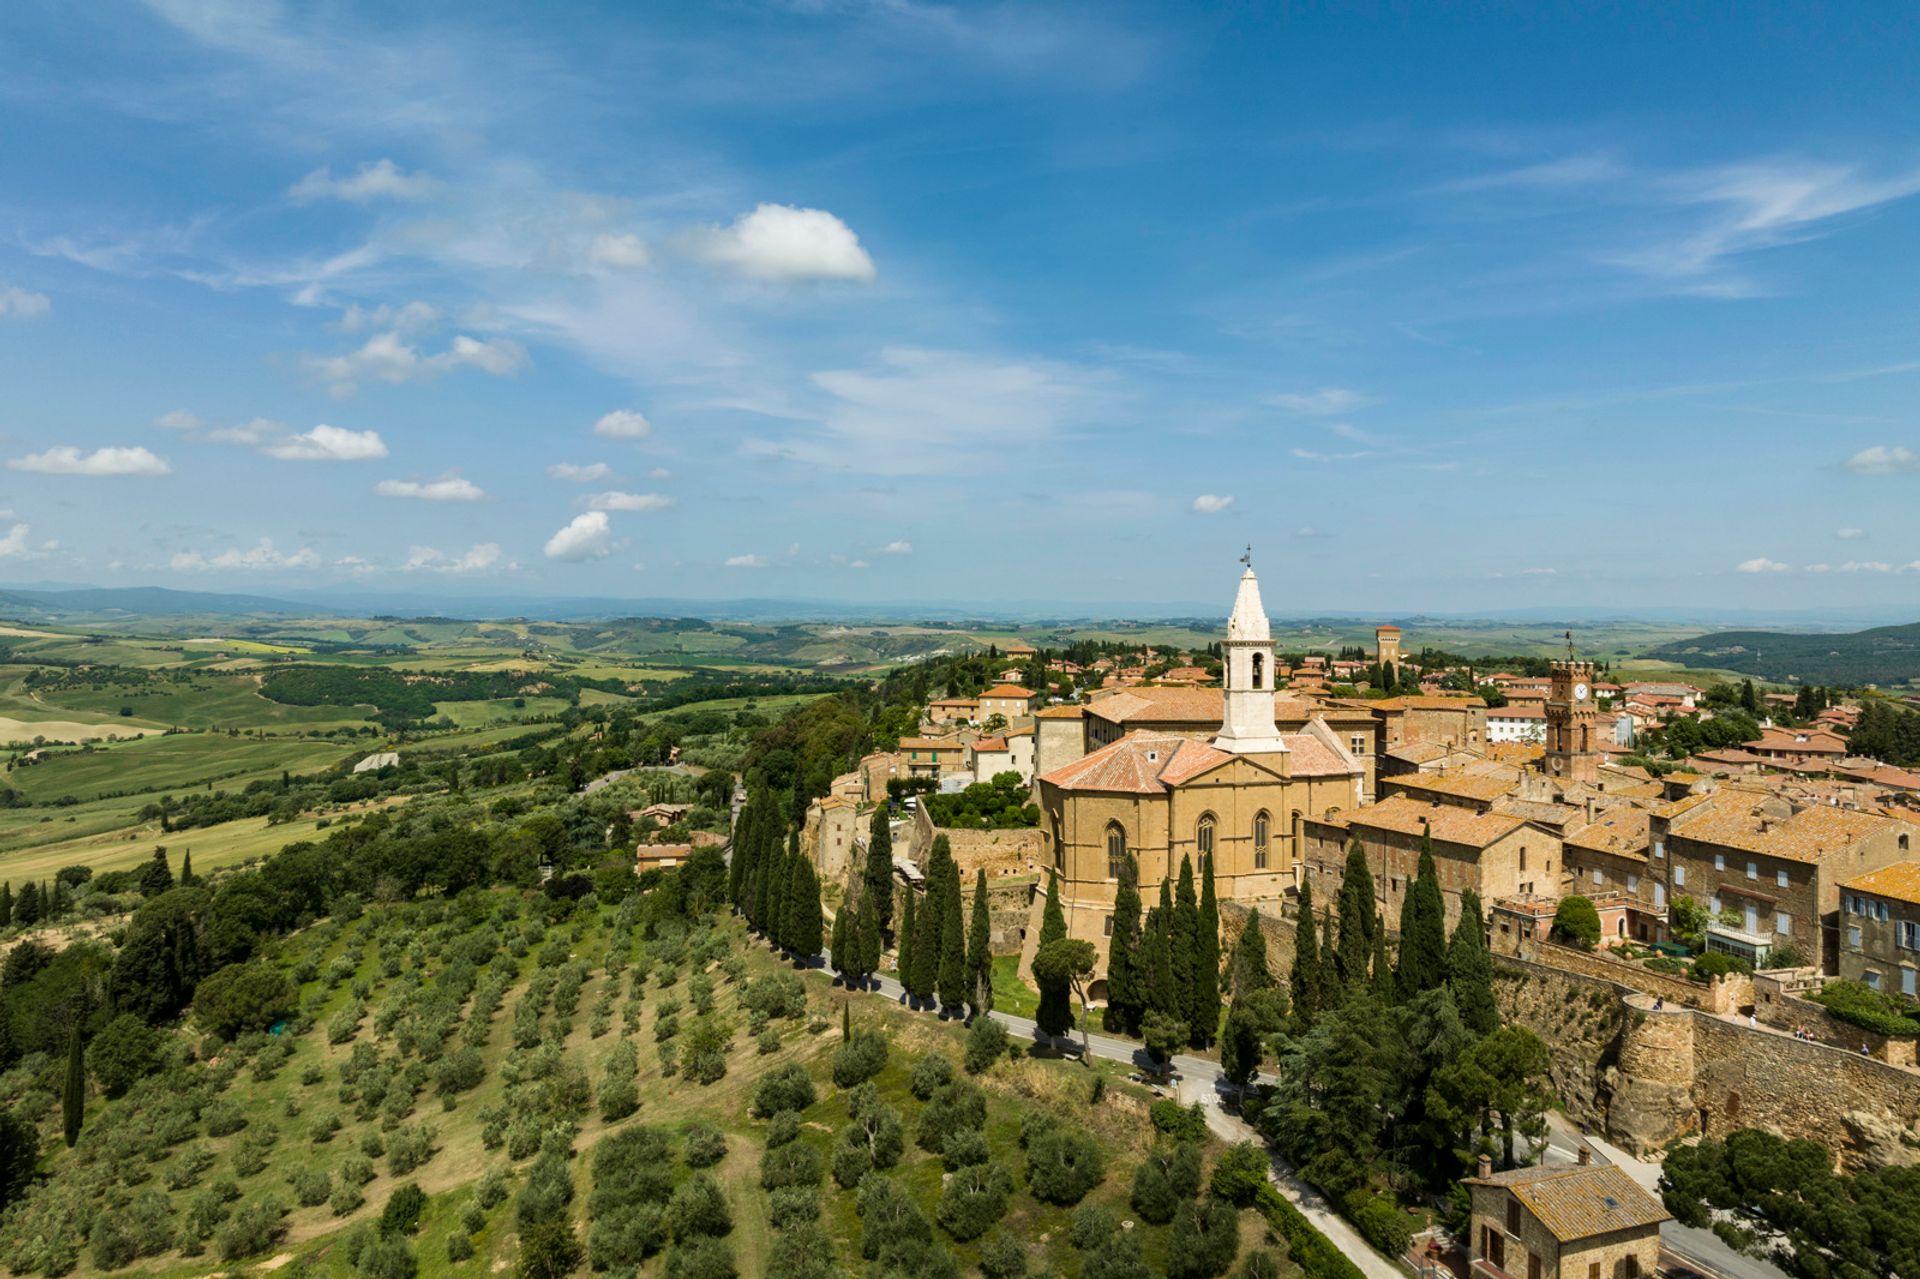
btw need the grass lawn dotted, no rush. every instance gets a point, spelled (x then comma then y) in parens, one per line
(1010, 994)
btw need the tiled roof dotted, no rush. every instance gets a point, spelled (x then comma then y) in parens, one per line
(1810, 835)
(929, 744)
(1580, 1202)
(1140, 763)
(1481, 786)
(990, 744)
(1061, 712)
(1622, 832)
(1006, 690)
(1900, 881)
(1516, 711)
(1427, 702)
(1449, 823)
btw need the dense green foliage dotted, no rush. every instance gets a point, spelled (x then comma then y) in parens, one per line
(999, 804)
(1882, 655)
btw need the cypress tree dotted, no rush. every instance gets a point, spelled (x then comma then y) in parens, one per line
(1470, 969)
(1423, 929)
(746, 844)
(1357, 912)
(1383, 979)
(1156, 958)
(928, 950)
(904, 961)
(61, 901)
(6, 904)
(1185, 949)
(878, 875)
(1247, 970)
(26, 907)
(1055, 1015)
(767, 879)
(804, 919)
(187, 878)
(1206, 977)
(1329, 996)
(869, 932)
(980, 948)
(837, 946)
(73, 1098)
(1126, 1002)
(1305, 977)
(953, 945)
(155, 877)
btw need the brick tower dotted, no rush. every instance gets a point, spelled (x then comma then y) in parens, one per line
(1573, 722)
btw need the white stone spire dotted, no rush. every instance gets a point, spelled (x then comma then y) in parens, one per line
(1247, 727)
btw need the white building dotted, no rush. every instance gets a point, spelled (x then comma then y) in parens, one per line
(1517, 722)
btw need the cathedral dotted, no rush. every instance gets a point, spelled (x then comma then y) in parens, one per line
(1240, 799)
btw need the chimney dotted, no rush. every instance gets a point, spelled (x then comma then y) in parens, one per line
(1585, 1155)
(1486, 1166)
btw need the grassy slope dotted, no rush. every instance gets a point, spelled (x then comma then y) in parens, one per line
(1012, 1087)
(156, 764)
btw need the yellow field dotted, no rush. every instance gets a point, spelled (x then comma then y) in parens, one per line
(67, 730)
(244, 646)
(224, 845)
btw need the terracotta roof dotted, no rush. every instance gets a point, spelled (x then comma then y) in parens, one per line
(1679, 806)
(1449, 823)
(1818, 741)
(1580, 1202)
(1517, 712)
(1378, 629)
(929, 744)
(1427, 702)
(1140, 763)
(1006, 690)
(1900, 881)
(1810, 835)
(990, 744)
(1060, 712)
(1420, 752)
(1481, 786)
(1621, 832)
(955, 701)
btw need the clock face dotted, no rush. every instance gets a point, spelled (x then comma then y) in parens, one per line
(1579, 692)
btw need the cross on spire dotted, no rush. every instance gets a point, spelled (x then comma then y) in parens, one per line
(1247, 559)
(1569, 638)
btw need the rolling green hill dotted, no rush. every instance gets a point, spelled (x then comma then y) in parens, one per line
(1885, 655)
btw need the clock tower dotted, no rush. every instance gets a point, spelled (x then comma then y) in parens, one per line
(1573, 722)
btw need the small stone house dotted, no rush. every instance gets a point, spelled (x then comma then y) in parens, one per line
(1582, 1222)
(1880, 929)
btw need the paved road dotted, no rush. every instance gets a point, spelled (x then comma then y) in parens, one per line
(1699, 1248)
(1197, 1080)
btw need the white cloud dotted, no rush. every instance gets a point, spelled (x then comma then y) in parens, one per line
(380, 180)
(1849, 534)
(1324, 402)
(626, 250)
(746, 561)
(414, 317)
(781, 242)
(14, 544)
(629, 502)
(623, 424)
(1211, 503)
(1309, 455)
(1882, 459)
(586, 537)
(1761, 564)
(1306, 531)
(19, 304)
(261, 555)
(1819, 568)
(901, 547)
(257, 432)
(858, 564)
(67, 460)
(179, 420)
(1911, 566)
(659, 473)
(483, 555)
(389, 357)
(448, 488)
(330, 444)
(576, 473)
(1866, 566)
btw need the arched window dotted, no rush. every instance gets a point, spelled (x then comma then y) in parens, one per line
(1259, 668)
(1261, 825)
(1116, 850)
(1203, 836)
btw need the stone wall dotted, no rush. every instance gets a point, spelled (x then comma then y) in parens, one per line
(1278, 930)
(1719, 996)
(1579, 1018)
(1779, 1004)
(998, 852)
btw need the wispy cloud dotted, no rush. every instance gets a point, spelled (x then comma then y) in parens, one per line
(378, 180)
(900, 547)
(259, 557)
(1325, 402)
(1883, 459)
(22, 304)
(64, 459)
(617, 501)
(577, 473)
(448, 488)
(746, 561)
(389, 357)
(478, 558)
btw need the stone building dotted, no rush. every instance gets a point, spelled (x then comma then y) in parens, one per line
(1769, 874)
(1241, 799)
(1606, 858)
(1584, 1222)
(1880, 928)
(931, 757)
(1494, 854)
(1009, 701)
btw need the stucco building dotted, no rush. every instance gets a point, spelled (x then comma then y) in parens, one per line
(1880, 929)
(1584, 1222)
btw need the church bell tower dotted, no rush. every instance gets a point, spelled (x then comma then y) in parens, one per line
(1247, 727)
(1573, 722)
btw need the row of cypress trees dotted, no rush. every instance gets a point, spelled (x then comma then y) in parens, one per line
(775, 887)
(1166, 965)
(943, 955)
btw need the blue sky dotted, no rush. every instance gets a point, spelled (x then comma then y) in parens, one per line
(1466, 308)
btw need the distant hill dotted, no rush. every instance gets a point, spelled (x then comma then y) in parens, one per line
(1884, 655)
(139, 601)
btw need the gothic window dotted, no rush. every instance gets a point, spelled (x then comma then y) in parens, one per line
(1259, 668)
(1261, 824)
(1116, 850)
(1203, 837)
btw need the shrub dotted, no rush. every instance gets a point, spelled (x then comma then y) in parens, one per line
(1380, 1223)
(255, 1228)
(794, 1164)
(803, 1251)
(973, 1200)
(401, 1216)
(223, 1118)
(859, 1058)
(956, 1107)
(1259, 1265)
(888, 1216)
(965, 1149)
(929, 1074)
(1118, 1257)
(788, 1088)
(790, 1206)
(123, 1054)
(1205, 1239)
(346, 1198)
(1092, 1224)
(241, 997)
(1063, 1166)
(626, 1236)
(705, 1258)
(1002, 1256)
(1165, 1179)
(459, 1247)
(311, 1186)
(1241, 1172)
(1576, 921)
(548, 1249)
(783, 1128)
(706, 1145)
(986, 1042)
(1182, 1123)
(110, 1243)
(767, 1041)
(698, 1208)
(1861, 1005)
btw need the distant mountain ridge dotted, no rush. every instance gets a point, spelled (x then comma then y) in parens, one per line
(1881, 655)
(139, 601)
